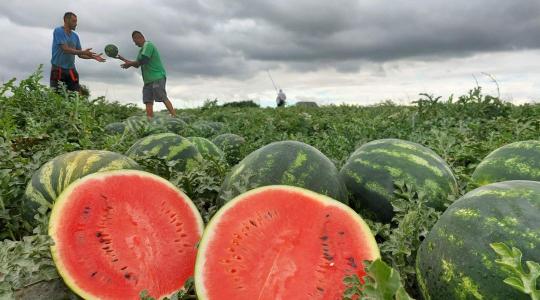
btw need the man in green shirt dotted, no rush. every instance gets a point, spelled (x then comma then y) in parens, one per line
(153, 74)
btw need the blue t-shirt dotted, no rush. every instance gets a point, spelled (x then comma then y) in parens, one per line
(59, 58)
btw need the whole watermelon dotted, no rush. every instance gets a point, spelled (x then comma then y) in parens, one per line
(285, 163)
(167, 146)
(115, 128)
(455, 260)
(54, 176)
(370, 173)
(516, 161)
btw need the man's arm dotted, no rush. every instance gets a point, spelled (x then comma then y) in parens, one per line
(86, 52)
(134, 63)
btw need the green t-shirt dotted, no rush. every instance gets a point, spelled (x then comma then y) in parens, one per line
(152, 70)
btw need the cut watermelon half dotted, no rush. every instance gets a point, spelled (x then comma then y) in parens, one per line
(282, 242)
(118, 233)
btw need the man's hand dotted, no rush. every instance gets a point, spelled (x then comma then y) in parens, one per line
(127, 64)
(98, 57)
(87, 52)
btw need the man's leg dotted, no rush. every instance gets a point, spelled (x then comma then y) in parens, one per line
(148, 100)
(169, 107)
(149, 110)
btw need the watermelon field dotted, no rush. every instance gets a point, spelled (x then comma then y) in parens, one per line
(439, 199)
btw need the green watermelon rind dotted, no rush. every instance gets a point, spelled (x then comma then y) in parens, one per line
(285, 163)
(372, 169)
(455, 261)
(207, 149)
(515, 161)
(55, 175)
(210, 227)
(161, 146)
(57, 211)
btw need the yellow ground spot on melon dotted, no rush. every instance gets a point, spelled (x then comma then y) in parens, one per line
(357, 178)
(448, 271)
(467, 213)
(467, 288)
(239, 169)
(377, 188)
(412, 158)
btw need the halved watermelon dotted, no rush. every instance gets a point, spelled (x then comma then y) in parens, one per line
(118, 233)
(281, 242)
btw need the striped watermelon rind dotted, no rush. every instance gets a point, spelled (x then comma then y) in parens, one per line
(115, 128)
(207, 149)
(455, 261)
(169, 147)
(515, 161)
(285, 163)
(371, 171)
(55, 175)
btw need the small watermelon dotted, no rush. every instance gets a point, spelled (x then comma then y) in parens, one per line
(167, 146)
(115, 128)
(119, 233)
(231, 144)
(207, 149)
(455, 261)
(516, 161)
(281, 242)
(54, 176)
(111, 50)
(285, 163)
(370, 173)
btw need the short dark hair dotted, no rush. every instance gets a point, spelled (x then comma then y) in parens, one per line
(68, 15)
(136, 32)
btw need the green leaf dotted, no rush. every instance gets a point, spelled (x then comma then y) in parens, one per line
(519, 278)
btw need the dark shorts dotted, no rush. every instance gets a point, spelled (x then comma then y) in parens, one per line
(154, 91)
(69, 77)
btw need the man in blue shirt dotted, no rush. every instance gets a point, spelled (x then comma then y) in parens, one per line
(65, 46)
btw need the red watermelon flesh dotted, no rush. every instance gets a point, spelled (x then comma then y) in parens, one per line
(118, 233)
(282, 242)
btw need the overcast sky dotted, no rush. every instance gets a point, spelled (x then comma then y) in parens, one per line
(343, 51)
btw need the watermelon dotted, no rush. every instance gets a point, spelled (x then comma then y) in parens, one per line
(170, 124)
(136, 124)
(370, 173)
(455, 260)
(118, 233)
(54, 176)
(206, 128)
(285, 163)
(516, 161)
(231, 144)
(207, 149)
(281, 242)
(169, 147)
(111, 50)
(115, 128)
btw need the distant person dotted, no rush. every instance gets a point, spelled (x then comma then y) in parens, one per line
(153, 73)
(65, 46)
(280, 99)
